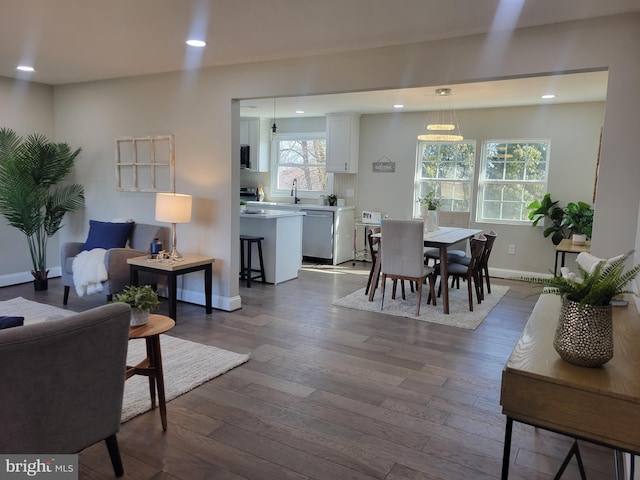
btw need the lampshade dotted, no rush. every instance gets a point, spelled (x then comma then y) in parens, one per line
(173, 208)
(443, 125)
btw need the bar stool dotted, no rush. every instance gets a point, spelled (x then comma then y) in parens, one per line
(245, 269)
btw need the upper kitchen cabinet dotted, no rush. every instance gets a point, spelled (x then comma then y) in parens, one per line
(343, 142)
(255, 133)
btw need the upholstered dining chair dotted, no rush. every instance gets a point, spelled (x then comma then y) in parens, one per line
(470, 272)
(373, 243)
(484, 263)
(402, 256)
(450, 219)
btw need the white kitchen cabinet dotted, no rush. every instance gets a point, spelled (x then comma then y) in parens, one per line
(255, 133)
(343, 142)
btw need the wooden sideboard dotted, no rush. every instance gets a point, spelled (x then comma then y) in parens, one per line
(601, 405)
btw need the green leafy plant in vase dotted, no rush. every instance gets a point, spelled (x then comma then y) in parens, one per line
(584, 334)
(579, 221)
(548, 210)
(142, 300)
(332, 199)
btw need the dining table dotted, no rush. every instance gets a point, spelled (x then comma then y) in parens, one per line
(441, 238)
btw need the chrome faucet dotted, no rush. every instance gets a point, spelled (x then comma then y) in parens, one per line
(294, 191)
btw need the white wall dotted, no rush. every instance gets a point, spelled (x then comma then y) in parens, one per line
(26, 108)
(574, 133)
(198, 108)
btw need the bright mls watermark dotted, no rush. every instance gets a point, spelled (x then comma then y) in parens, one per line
(50, 467)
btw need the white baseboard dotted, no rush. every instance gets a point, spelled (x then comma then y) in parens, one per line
(25, 277)
(228, 304)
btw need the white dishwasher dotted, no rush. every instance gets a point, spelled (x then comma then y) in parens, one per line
(317, 234)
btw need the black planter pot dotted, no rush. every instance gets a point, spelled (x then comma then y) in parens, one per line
(40, 285)
(41, 280)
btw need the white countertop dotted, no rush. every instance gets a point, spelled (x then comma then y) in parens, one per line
(252, 212)
(297, 206)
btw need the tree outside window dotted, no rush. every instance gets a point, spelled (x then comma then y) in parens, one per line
(301, 157)
(447, 169)
(513, 174)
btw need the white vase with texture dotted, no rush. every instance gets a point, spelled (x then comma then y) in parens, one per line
(139, 317)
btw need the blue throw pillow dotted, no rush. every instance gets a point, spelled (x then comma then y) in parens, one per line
(8, 322)
(107, 235)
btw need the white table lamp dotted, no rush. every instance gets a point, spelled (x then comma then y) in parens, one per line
(173, 208)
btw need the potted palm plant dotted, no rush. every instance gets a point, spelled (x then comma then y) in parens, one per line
(142, 299)
(584, 335)
(30, 200)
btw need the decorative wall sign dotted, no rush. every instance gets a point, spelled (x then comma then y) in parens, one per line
(145, 164)
(384, 165)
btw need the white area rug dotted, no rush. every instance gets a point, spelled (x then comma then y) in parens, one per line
(459, 314)
(186, 364)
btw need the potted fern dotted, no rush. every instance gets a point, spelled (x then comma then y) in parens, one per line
(584, 335)
(141, 299)
(30, 200)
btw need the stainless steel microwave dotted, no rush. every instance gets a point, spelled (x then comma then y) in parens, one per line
(245, 158)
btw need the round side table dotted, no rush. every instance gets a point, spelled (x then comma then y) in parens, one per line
(151, 366)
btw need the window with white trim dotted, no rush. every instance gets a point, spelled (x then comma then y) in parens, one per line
(300, 156)
(513, 173)
(448, 169)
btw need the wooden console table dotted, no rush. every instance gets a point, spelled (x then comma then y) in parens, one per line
(600, 405)
(566, 246)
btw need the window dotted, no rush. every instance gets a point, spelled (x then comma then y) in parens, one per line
(447, 169)
(513, 173)
(301, 157)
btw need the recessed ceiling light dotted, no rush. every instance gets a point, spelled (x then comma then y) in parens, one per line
(25, 68)
(196, 43)
(299, 111)
(398, 105)
(550, 95)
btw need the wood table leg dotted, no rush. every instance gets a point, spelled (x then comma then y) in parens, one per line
(152, 380)
(208, 287)
(156, 361)
(173, 293)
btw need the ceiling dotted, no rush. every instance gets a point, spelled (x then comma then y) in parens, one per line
(570, 88)
(70, 41)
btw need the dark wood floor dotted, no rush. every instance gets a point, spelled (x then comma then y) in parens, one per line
(333, 393)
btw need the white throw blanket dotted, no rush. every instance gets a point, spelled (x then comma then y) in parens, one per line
(89, 271)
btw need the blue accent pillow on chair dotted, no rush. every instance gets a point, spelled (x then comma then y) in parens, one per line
(8, 322)
(107, 235)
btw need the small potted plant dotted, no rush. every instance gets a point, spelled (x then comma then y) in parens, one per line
(331, 199)
(584, 335)
(141, 299)
(430, 201)
(428, 206)
(579, 221)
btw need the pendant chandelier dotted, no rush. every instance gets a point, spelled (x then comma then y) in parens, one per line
(443, 123)
(274, 127)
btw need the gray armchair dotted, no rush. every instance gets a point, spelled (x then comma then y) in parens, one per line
(115, 259)
(64, 381)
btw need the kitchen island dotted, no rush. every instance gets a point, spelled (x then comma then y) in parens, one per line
(282, 244)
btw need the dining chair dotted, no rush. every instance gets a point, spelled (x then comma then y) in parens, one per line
(484, 263)
(449, 219)
(402, 257)
(373, 243)
(470, 273)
